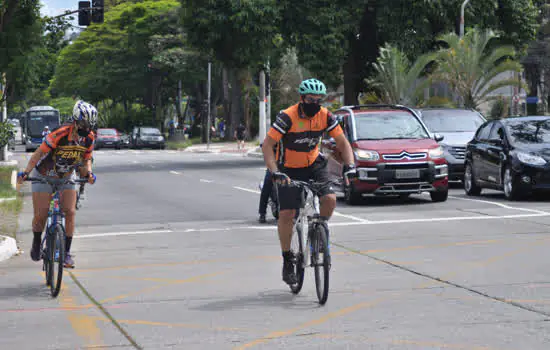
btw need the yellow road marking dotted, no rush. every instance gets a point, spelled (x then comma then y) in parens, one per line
(356, 307)
(276, 257)
(147, 289)
(179, 325)
(84, 325)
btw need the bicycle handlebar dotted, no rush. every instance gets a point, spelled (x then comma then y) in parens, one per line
(57, 181)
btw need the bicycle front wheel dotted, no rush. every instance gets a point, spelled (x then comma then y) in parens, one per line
(297, 249)
(57, 258)
(320, 258)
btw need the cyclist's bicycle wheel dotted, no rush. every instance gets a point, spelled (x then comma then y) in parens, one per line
(320, 257)
(297, 249)
(57, 258)
(45, 255)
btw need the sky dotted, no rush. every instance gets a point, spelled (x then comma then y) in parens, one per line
(57, 7)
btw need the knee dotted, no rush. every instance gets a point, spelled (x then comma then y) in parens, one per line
(329, 201)
(69, 213)
(286, 216)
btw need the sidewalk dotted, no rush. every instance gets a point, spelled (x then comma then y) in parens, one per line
(222, 147)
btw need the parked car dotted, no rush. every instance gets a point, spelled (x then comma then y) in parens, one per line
(393, 152)
(147, 137)
(106, 137)
(124, 140)
(458, 127)
(510, 155)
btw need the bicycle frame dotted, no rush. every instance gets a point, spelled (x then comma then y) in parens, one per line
(307, 217)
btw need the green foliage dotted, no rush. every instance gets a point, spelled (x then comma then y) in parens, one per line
(499, 108)
(438, 101)
(396, 77)
(6, 130)
(469, 67)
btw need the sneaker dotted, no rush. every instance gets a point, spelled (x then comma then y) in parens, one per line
(35, 250)
(289, 277)
(262, 219)
(69, 262)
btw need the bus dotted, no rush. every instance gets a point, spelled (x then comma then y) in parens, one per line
(34, 121)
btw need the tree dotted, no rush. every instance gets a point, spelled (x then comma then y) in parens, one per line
(469, 66)
(396, 77)
(239, 35)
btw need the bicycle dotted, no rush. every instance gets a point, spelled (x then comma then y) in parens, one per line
(313, 249)
(52, 249)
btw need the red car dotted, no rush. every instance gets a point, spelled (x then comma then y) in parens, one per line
(106, 137)
(394, 153)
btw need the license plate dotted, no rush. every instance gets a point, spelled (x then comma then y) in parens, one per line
(407, 174)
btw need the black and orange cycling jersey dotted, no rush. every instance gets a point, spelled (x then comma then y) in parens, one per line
(300, 136)
(64, 153)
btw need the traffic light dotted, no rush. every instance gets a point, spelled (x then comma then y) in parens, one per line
(97, 11)
(84, 13)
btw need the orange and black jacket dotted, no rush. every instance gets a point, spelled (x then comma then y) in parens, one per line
(300, 136)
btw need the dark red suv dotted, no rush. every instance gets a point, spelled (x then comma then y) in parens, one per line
(394, 153)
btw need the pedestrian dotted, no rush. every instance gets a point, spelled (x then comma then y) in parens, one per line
(240, 135)
(267, 190)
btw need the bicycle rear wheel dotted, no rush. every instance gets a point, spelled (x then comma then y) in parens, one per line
(57, 258)
(297, 249)
(320, 258)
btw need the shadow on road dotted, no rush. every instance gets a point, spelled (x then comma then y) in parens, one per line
(29, 291)
(274, 298)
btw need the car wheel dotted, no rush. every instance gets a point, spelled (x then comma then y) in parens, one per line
(510, 185)
(440, 195)
(351, 196)
(470, 186)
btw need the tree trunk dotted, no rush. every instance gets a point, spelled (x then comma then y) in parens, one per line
(237, 113)
(226, 102)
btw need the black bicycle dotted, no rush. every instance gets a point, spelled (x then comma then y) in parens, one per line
(313, 249)
(52, 250)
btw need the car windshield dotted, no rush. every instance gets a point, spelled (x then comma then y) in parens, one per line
(150, 132)
(452, 120)
(388, 125)
(106, 132)
(528, 131)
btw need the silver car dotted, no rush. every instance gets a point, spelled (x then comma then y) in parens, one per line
(458, 126)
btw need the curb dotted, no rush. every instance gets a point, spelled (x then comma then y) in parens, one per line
(8, 247)
(14, 179)
(7, 199)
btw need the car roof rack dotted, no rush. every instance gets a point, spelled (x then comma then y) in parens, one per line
(380, 105)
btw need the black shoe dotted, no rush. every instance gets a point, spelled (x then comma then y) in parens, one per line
(288, 272)
(262, 219)
(35, 250)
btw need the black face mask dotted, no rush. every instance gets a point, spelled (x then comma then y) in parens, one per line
(310, 109)
(83, 132)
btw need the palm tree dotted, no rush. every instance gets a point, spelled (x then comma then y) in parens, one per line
(470, 68)
(396, 78)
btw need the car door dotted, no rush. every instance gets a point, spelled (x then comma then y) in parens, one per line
(495, 153)
(479, 151)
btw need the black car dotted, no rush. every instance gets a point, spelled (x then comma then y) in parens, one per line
(511, 155)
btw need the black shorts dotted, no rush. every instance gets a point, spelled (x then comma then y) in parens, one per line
(290, 197)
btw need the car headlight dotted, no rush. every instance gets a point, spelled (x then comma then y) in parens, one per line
(436, 152)
(367, 155)
(530, 158)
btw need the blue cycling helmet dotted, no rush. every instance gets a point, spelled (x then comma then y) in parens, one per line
(313, 87)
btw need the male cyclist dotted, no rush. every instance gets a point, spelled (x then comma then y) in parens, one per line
(299, 128)
(62, 151)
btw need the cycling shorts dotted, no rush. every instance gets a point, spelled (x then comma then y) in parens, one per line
(290, 197)
(47, 188)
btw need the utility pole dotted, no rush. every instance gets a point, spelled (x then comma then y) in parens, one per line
(462, 17)
(4, 115)
(262, 122)
(268, 93)
(208, 114)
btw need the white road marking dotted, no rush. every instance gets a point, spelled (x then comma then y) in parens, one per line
(174, 172)
(355, 218)
(207, 181)
(247, 189)
(336, 224)
(107, 234)
(135, 161)
(152, 166)
(500, 205)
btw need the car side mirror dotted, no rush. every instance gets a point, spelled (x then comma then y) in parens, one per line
(496, 142)
(438, 137)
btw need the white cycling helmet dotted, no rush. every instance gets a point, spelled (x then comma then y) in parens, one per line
(85, 111)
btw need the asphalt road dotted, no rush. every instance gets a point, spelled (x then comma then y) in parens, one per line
(170, 256)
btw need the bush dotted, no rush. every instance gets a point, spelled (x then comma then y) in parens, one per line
(6, 132)
(499, 109)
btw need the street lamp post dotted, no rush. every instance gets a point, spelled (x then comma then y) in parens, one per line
(462, 17)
